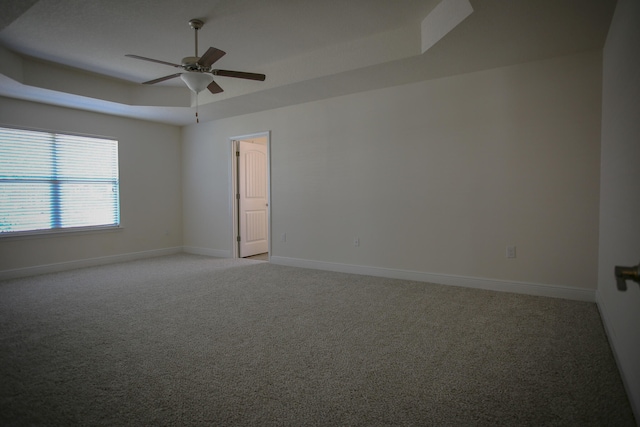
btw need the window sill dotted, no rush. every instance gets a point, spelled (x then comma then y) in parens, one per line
(45, 234)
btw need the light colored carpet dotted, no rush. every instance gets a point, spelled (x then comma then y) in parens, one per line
(192, 340)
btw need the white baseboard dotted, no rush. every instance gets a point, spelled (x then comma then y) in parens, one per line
(443, 279)
(535, 289)
(219, 253)
(89, 262)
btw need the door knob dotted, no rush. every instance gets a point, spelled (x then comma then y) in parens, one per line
(626, 273)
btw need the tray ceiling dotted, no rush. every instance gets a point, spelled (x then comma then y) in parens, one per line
(71, 52)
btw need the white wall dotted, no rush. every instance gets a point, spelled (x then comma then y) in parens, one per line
(620, 191)
(437, 176)
(150, 188)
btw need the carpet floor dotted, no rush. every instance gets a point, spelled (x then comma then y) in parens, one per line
(193, 340)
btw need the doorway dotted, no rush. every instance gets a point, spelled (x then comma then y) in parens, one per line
(251, 196)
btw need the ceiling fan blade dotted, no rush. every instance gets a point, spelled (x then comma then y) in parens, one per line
(239, 74)
(214, 87)
(210, 56)
(161, 79)
(154, 60)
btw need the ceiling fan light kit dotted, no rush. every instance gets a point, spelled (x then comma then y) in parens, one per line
(196, 81)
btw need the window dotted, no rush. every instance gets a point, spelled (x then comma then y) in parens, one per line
(52, 181)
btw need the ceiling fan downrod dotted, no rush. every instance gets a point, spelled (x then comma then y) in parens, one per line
(196, 24)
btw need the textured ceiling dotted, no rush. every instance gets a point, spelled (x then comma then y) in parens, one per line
(71, 52)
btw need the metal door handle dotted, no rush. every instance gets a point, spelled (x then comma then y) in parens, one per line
(626, 273)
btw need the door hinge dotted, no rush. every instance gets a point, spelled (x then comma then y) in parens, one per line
(237, 154)
(238, 196)
(238, 238)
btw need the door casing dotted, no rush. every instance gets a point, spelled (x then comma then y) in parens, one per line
(233, 179)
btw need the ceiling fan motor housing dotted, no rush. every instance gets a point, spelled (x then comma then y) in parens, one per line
(190, 63)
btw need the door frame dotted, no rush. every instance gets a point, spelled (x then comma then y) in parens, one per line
(233, 190)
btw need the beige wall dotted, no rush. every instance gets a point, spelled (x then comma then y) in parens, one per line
(620, 186)
(150, 188)
(436, 177)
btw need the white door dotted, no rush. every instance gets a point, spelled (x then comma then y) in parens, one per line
(252, 202)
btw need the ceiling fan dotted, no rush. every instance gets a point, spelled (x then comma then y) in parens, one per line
(199, 74)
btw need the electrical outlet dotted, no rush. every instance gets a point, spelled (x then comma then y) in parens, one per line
(283, 237)
(511, 251)
(356, 241)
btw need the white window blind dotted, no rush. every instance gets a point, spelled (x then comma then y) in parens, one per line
(52, 181)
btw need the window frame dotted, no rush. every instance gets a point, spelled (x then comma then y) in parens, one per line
(85, 229)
